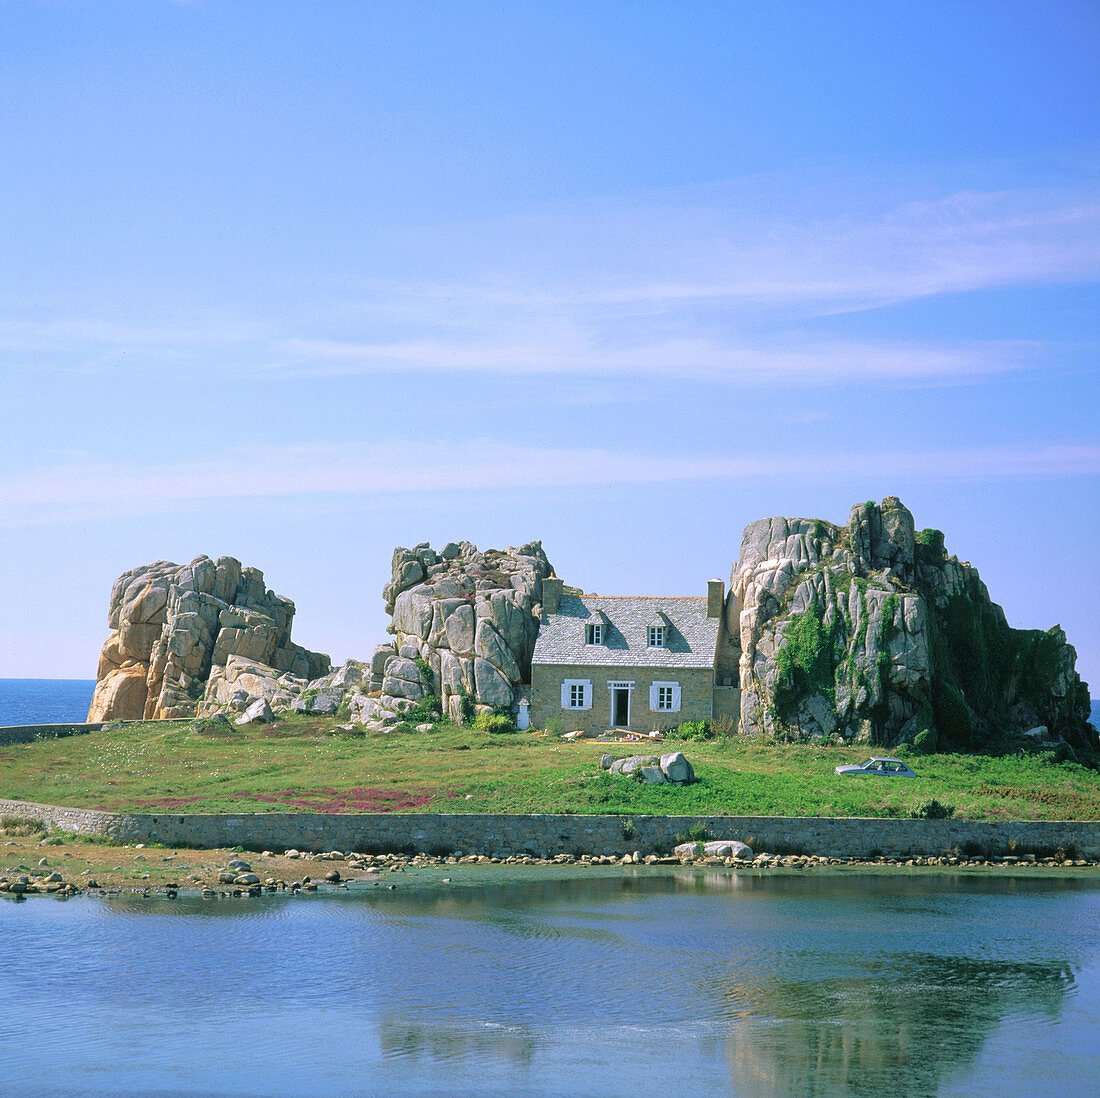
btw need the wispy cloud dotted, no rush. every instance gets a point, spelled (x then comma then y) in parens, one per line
(77, 487)
(726, 282)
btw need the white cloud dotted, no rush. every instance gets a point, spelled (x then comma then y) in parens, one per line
(725, 282)
(76, 488)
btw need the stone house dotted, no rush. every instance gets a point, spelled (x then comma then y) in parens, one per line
(632, 662)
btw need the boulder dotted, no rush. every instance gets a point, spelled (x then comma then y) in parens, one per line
(472, 616)
(716, 848)
(870, 632)
(632, 763)
(259, 712)
(175, 626)
(676, 768)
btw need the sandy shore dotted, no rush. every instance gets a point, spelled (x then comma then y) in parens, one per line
(33, 865)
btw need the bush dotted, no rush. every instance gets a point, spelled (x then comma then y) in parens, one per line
(469, 706)
(494, 722)
(924, 743)
(427, 709)
(693, 730)
(932, 810)
(724, 725)
(697, 833)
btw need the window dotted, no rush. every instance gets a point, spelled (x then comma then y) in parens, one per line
(576, 694)
(656, 636)
(664, 697)
(593, 634)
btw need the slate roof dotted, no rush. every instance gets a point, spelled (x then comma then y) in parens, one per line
(690, 636)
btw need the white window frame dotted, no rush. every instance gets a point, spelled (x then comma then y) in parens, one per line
(593, 633)
(672, 692)
(574, 691)
(655, 636)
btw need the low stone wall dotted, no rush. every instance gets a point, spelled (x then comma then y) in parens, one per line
(547, 835)
(26, 733)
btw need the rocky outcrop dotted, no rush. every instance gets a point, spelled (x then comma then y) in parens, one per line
(173, 627)
(871, 631)
(464, 625)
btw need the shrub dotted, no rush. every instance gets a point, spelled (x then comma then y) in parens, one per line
(343, 710)
(724, 726)
(469, 707)
(403, 727)
(932, 810)
(21, 826)
(693, 730)
(196, 688)
(932, 539)
(924, 743)
(552, 727)
(697, 833)
(427, 709)
(494, 722)
(425, 673)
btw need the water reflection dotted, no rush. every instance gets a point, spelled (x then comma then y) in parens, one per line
(895, 1028)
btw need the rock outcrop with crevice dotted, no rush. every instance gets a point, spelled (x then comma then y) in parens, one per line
(464, 625)
(871, 631)
(175, 626)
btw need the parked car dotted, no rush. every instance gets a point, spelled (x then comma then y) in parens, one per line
(880, 767)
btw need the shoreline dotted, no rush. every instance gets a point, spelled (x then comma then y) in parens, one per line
(62, 867)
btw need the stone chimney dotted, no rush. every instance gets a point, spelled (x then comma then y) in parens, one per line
(716, 597)
(551, 594)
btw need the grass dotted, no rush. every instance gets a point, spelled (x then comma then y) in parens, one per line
(300, 765)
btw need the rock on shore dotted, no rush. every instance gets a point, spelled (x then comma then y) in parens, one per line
(464, 625)
(872, 631)
(174, 626)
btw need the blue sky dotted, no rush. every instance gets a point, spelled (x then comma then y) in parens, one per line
(299, 283)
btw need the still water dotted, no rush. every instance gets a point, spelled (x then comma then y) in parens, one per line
(502, 982)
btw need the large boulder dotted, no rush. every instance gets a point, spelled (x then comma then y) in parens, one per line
(871, 632)
(472, 618)
(175, 627)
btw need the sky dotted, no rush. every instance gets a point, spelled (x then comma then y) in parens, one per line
(299, 283)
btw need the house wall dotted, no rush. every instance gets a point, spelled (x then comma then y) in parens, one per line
(696, 696)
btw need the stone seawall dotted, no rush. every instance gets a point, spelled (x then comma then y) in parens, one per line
(27, 733)
(548, 835)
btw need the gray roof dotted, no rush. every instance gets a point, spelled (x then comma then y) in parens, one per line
(690, 637)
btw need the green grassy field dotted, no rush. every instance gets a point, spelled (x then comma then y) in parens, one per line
(305, 765)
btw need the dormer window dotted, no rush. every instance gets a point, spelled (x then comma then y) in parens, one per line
(656, 636)
(593, 634)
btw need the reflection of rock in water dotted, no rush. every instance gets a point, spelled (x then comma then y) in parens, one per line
(903, 1026)
(437, 1042)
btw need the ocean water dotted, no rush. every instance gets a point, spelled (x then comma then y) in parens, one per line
(559, 981)
(44, 701)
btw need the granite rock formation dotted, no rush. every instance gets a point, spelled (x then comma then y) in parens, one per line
(871, 631)
(464, 625)
(173, 627)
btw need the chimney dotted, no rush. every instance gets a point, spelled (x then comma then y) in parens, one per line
(716, 597)
(551, 594)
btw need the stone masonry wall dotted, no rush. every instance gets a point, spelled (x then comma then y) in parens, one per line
(547, 835)
(696, 696)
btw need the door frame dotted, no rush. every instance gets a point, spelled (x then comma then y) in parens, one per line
(626, 687)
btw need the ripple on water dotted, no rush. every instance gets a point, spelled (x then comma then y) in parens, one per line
(566, 986)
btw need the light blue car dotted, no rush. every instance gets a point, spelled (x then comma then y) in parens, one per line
(880, 767)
